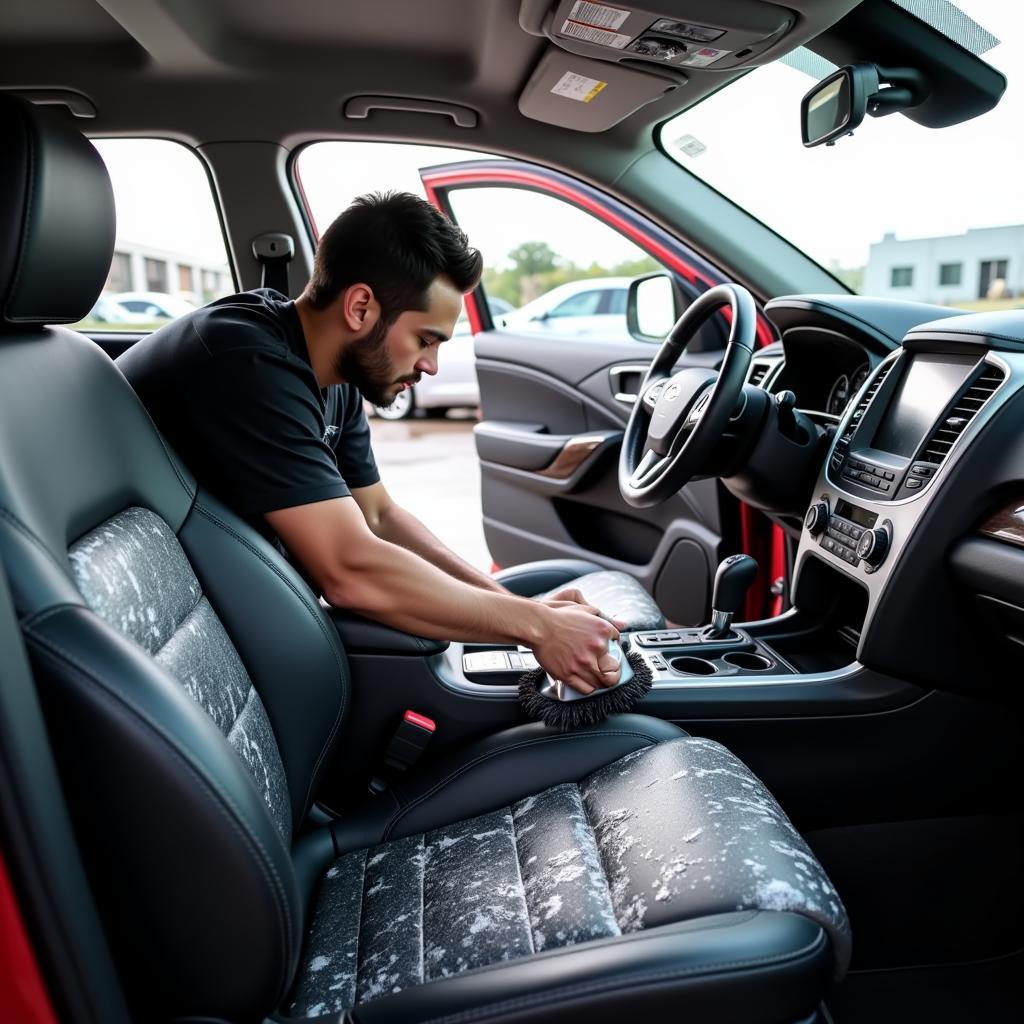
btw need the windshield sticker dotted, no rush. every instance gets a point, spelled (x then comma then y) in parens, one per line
(704, 56)
(577, 87)
(578, 30)
(690, 145)
(683, 29)
(599, 15)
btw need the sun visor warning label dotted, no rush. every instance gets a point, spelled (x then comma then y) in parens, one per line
(577, 87)
(598, 15)
(594, 35)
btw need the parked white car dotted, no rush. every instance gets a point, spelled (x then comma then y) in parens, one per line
(154, 305)
(593, 306)
(454, 386)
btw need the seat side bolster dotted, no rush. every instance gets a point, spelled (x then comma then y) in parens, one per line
(781, 959)
(175, 835)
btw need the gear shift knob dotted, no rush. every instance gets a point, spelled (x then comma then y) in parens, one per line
(732, 581)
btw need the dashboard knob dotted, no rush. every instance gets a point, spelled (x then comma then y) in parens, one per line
(873, 547)
(817, 518)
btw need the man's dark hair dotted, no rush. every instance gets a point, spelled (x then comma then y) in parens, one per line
(396, 243)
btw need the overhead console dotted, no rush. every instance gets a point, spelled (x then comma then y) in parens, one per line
(607, 60)
(920, 422)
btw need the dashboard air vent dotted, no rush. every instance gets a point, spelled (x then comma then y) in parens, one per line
(758, 373)
(970, 403)
(862, 405)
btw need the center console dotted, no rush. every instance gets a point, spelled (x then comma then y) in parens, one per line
(892, 454)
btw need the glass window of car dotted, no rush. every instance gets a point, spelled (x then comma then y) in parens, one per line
(167, 230)
(584, 304)
(895, 193)
(557, 265)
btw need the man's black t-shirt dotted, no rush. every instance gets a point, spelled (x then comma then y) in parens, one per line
(231, 387)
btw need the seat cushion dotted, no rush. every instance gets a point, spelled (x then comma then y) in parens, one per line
(669, 833)
(619, 596)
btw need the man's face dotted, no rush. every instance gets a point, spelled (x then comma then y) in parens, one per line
(388, 359)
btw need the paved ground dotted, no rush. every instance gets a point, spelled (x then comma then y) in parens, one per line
(430, 467)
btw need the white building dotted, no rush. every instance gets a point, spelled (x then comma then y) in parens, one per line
(145, 268)
(956, 268)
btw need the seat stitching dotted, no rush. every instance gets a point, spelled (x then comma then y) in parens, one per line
(423, 921)
(185, 618)
(496, 753)
(238, 717)
(342, 670)
(359, 928)
(600, 854)
(586, 988)
(236, 822)
(522, 883)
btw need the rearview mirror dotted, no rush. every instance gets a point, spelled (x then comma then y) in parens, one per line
(838, 104)
(652, 307)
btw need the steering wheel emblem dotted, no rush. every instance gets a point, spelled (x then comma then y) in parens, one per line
(672, 392)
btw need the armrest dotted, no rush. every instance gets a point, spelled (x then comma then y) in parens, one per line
(360, 635)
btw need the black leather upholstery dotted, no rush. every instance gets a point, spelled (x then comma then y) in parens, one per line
(204, 889)
(56, 221)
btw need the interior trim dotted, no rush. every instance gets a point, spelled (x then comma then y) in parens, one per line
(574, 453)
(1006, 523)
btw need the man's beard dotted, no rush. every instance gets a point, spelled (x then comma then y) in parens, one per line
(366, 364)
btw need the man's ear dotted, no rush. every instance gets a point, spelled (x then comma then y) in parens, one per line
(359, 307)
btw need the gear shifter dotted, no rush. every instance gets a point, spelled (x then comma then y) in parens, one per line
(732, 581)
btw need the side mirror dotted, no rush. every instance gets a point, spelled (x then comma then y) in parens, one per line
(653, 305)
(838, 104)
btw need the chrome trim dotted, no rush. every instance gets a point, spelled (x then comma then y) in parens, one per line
(617, 371)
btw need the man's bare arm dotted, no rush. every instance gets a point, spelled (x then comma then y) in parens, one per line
(389, 521)
(355, 569)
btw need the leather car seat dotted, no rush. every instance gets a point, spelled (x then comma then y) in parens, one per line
(194, 689)
(616, 593)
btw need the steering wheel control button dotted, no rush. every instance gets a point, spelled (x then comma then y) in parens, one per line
(816, 518)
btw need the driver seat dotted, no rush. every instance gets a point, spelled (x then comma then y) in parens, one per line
(194, 691)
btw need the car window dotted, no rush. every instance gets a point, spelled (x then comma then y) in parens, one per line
(169, 254)
(584, 304)
(534, 246)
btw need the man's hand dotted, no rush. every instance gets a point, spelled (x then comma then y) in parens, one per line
(574, 646)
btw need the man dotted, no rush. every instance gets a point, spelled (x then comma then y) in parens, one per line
(263, 399)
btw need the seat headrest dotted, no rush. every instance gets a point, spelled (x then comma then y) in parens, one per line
(56, 218)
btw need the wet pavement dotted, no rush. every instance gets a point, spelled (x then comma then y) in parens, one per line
(429, 466)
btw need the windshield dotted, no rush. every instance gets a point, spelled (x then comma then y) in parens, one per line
(895, 210)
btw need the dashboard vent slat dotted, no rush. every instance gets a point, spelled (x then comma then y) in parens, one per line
(862, 405)
(968, 405)
(760, 373)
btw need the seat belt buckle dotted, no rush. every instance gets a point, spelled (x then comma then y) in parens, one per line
(405, 748)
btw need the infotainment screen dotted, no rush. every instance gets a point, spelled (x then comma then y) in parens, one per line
(927, 386)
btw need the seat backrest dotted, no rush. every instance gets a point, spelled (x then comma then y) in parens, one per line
(193, 686)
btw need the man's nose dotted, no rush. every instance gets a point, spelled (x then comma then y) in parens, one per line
(427, 363)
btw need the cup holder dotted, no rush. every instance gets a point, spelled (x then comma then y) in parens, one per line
(745, 660)
(693, 666)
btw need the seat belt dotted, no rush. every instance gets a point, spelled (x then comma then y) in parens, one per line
(274, 250)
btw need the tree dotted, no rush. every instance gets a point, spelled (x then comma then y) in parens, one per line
(532, 258)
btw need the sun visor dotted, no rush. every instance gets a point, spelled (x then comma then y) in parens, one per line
(681, 35)
(588, 95)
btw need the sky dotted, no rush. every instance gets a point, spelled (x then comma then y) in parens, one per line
(892, 175)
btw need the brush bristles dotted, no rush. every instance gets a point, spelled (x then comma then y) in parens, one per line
(572, 714)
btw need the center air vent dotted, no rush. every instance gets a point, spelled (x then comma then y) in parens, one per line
(970, 403)
(862, 405)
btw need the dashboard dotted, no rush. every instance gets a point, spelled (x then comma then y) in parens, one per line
(918, 508)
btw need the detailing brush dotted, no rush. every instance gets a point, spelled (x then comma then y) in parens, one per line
(557, 704)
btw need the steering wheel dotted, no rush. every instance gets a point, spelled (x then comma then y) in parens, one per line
(679, 417)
